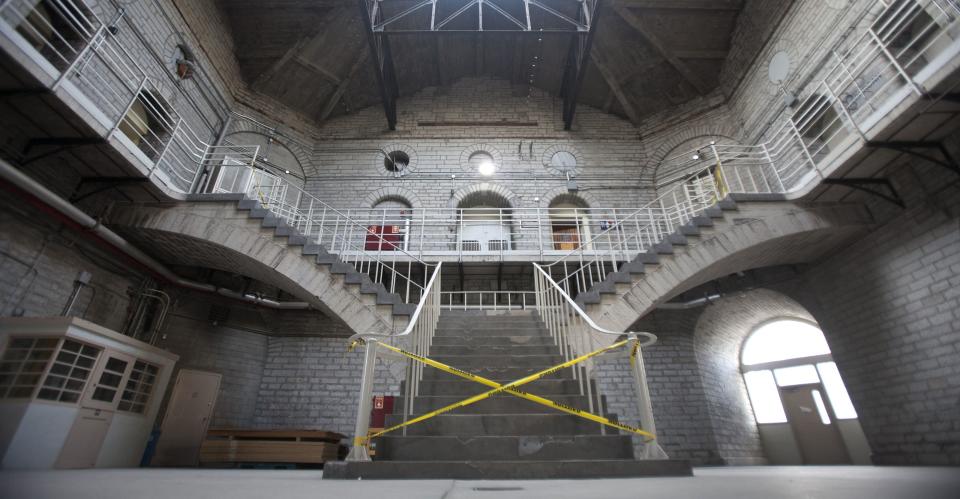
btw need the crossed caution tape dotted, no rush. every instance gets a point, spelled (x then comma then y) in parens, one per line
(511, 389)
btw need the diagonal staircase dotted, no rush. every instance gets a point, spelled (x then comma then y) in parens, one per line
(503, 437)
(234, 233)
(728, 237)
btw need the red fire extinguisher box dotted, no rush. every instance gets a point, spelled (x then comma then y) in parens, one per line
(383, 238)
(382, 405)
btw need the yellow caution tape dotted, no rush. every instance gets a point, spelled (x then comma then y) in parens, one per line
(508, 388)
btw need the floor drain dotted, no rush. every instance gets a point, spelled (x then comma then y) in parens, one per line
(496, 489)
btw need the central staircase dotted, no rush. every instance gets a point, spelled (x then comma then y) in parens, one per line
(503, 437)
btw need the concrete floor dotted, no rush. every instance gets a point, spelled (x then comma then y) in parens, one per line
(716, 483)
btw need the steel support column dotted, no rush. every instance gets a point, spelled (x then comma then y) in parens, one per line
(382, 61)
(578, 58)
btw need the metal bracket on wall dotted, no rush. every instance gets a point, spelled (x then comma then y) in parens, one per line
(868, 185)
(911, 148)
(60, 144)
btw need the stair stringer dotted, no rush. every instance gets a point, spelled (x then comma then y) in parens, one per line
(758, 234)
(218, 234)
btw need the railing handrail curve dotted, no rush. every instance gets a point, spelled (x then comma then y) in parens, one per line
(413, 317)
(650, 337)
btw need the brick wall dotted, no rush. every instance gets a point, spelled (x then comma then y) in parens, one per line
(314, 383)
(890, 308)
(40, 260)
(684, 428)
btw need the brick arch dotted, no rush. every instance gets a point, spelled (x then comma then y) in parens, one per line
(718, 339)
(772, 234)
(302, 153)
(391, 192)
(548, 197)
(500, 190)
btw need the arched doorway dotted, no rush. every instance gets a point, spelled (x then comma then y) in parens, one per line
(800, 403)
(569, 222)
(485, 222)
(389, 225)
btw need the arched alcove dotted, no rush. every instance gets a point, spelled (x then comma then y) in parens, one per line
(388, 224)
(484, 222)
(741, 342)
(569, 222)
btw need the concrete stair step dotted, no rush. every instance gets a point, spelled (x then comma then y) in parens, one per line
(480, 349)
(510, 373)
(477, 340)
(505, 470)
(486, 332)
(461, 387)
(510, 448)
(468, 362)
(499, 404)
(502, 425)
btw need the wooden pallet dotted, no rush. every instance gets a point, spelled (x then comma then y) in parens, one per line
(270, 446)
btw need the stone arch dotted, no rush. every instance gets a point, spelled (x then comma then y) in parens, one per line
(718, 339)
(678, 159)
(302, 152)
(548, 198)
(391, 193)
(496, 189)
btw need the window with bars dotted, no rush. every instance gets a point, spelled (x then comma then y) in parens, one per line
(22, 365)
(69, 373)
(137, 392)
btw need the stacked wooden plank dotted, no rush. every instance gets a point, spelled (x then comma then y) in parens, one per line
(270, 446)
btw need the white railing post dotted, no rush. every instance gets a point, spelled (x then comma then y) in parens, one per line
(358, 452)
(651, 450)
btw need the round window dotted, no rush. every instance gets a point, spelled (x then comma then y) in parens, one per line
(563, 160)
(483, 163)
(396, 161)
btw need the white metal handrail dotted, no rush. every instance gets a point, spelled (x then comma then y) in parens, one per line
(577, 334)
(418, 336)
(873, 74)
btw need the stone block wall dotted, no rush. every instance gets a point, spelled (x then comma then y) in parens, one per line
(890, 308)
(315, 383)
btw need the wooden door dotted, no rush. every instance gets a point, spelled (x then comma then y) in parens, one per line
(187, 417)
(814, 427)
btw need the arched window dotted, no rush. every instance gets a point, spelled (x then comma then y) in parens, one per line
(485, 222)
(789, 353)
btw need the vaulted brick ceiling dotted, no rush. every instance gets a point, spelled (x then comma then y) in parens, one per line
(648, 55)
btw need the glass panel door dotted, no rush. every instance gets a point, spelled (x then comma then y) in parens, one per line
(104, 393)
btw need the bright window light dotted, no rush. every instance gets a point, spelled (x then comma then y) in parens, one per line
(765, 397)
(487, 168)
(836, 392)
(784, 340)
(796, 375)
(821, 407)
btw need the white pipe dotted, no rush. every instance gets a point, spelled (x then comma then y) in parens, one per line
(698, 302)
(67, 209)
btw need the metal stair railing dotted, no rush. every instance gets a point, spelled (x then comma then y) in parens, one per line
(576, 334)
(382, 259)
(873, 75)
(419, 336)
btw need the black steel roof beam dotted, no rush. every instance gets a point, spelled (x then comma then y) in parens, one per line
(382, 64)
(577, 61)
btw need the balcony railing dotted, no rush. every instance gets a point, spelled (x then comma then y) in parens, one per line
(875, 77)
